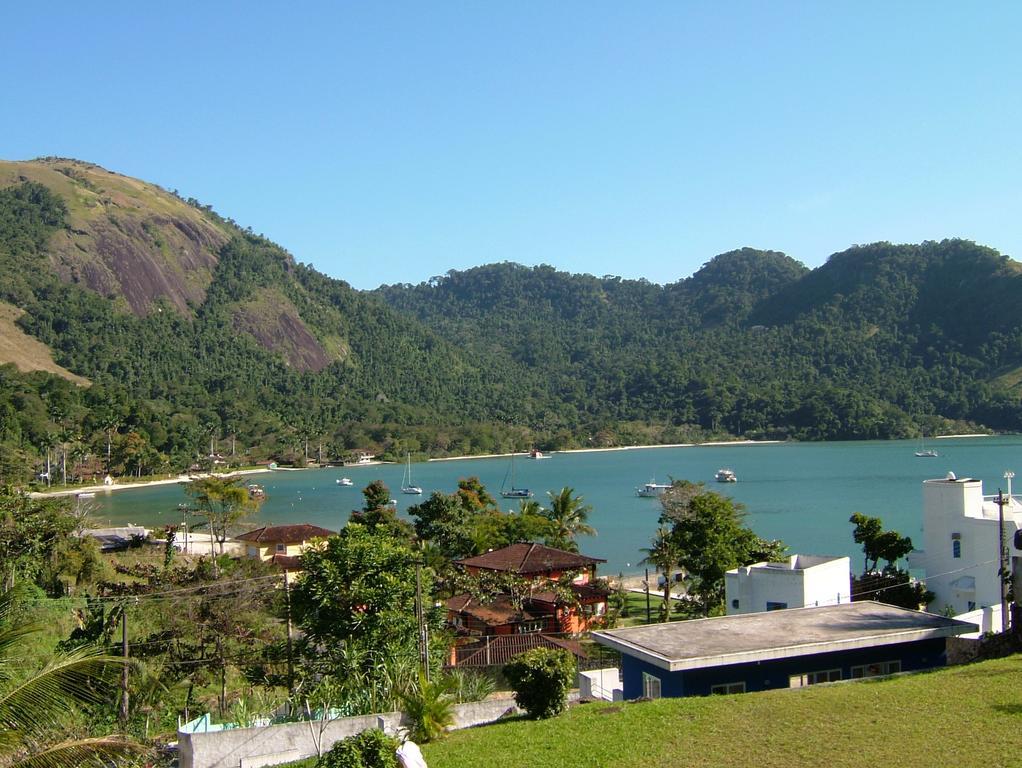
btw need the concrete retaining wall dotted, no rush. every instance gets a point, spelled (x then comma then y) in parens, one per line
(286, 742)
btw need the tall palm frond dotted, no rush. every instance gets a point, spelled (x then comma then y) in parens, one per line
(34, 709)
(568, 513)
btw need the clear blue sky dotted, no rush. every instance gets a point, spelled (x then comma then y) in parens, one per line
(390, 142)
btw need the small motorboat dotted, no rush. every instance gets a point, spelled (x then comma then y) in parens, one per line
(345, 481)
(725, 476)
(652, 489)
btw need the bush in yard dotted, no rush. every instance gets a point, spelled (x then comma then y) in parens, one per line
(541, 679)
(429, 707)
(369, 749)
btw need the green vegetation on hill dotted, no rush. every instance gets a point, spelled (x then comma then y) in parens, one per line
(195, 333)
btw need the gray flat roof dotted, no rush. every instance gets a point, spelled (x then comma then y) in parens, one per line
(777, 634)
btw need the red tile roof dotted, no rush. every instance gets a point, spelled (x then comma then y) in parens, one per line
(284, 534)
(287, 562)
(529, 559)
(500, 649)
(495, 613)
(584, 593)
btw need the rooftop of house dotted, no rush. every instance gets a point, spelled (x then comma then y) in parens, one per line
(493, 613)
(500, 649)
(284, 534)
(529, 559)
(793, 563)
(755, 637)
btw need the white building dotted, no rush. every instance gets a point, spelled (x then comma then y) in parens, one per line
(961, 541)
(798, 582)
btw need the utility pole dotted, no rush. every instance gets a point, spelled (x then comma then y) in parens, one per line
(646, 584)
(123, 715)
(290, 652)
(1002, 567)
(420, 615)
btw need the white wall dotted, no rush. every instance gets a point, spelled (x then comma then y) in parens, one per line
(286, 742)
(800, 581)
(955, 510)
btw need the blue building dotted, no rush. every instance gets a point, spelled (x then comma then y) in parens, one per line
(778, 649)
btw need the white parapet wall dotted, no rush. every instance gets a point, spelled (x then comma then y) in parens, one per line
(221, 747)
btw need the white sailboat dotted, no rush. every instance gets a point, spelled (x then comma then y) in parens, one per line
(512, 492)
(924, 452)
(406, 481)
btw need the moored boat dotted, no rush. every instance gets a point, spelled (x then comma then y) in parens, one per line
(406, 481)
(347, 481)
(725, 475)
(652, 489)
(513, 492)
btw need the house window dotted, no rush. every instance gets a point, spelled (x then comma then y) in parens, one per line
(876, 670)
(734, 603)
(971, 605)
(281, 549)
(776, 606)
(814, 678)
(956, 548)
(727, 688)
(650, 686)
(528, 627)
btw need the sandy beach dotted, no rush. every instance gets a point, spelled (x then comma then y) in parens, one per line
(101, 488)
(719, 444)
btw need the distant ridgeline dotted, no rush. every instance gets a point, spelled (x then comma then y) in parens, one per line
(185, 331)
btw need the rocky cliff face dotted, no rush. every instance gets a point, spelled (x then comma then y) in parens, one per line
(126, 240)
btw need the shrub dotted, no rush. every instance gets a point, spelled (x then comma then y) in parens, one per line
(541, 679)
(369, 749)
(429, 706)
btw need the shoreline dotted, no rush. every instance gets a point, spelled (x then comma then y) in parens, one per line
(715, 444)
(180, 479)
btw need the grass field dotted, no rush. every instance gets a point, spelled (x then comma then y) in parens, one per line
(962, 716)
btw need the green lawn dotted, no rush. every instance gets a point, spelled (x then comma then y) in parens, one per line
(963, 716)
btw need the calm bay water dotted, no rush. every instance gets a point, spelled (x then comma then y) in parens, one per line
(802, 493)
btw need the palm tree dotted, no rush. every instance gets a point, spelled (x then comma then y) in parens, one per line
(568, 513)
(664, 556)
(33, 710)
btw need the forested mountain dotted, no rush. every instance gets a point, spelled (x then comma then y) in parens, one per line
(187, 331)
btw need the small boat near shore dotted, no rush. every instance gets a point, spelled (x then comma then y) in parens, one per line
(652, 489)
(725, 475)
(535, 453)
(345, 481)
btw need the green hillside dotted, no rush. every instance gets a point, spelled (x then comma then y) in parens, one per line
(963, 716)
(193, 330)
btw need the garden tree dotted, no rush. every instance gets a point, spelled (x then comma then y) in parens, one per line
(891, 584)
(541, 679)
(31, 531)
(379, 514)
(355, 602)
(878, 544)
(37, 726)
(223, 501)
(708, 531)
(664, 554)
(497, 529)
(444, 522)
(473, 496)
(567, 514)
(226, 622)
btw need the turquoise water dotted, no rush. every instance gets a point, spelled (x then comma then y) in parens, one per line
(802, 493)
